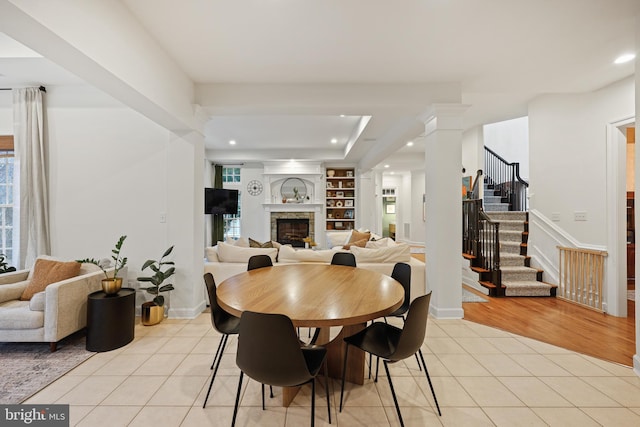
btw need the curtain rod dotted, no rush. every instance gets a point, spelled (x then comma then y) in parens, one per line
(42, 88)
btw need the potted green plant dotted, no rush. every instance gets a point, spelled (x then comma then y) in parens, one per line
(152, 312)
(111, 284)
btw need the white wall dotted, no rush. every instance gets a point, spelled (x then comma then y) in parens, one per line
(114, 172)
(418, 226)
(6, 112)
(510, 140)
(473, 151)
(568, 156)
(252, 224)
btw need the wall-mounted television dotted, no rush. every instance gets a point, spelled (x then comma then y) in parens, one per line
(220, 201)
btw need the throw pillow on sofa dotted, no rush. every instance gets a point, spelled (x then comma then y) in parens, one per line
(46, 272)
(256, 244)
(288, 254)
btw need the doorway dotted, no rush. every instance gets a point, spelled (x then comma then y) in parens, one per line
(630, 134)
(389, 206)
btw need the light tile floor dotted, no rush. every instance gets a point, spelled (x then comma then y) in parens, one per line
(482, 377)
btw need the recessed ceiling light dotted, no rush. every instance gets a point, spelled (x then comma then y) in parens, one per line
(410, 143)
(386, 166)
(342, 115)
(392, 173)
(625, 58)
(334, 141)
(232, 142)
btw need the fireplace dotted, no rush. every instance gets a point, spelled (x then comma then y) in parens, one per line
(291, 231)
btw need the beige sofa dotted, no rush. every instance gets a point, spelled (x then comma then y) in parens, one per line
(225, 260)
(50, 315)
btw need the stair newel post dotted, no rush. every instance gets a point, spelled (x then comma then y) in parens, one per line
(496, 272)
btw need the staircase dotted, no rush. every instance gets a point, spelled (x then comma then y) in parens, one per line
(518, 278)
(493, 201)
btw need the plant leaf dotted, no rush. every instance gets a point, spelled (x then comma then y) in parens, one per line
(167, 252)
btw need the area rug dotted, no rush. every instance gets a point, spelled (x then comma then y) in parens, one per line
(468, 296)
(26, 368)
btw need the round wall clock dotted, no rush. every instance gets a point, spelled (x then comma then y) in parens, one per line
(254, 187)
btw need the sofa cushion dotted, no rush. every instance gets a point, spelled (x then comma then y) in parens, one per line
(16, 315)
(36, 303)
(230, 253)
(243, 242)
(46, 272)
(211, 253)
(381, 243)
(12, 291)
(398, 253)
(288, 254)
(256, 244)
(337, 238)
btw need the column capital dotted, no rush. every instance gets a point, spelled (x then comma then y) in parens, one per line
(443, 117)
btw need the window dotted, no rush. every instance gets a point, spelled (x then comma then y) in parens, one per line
(6, 199)
(232, 222)
(231, 179)
(231, 175)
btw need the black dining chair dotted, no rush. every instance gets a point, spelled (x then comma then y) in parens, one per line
(402, 273)
(222, 322)
(269, 352)
(344, 258)
(393, 344)
(259, 261)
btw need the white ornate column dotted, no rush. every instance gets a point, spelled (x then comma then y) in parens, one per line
(443, 240)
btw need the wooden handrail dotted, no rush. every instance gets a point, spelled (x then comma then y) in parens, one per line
(505, 178)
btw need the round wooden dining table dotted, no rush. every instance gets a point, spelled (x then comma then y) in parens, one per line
(318, 296)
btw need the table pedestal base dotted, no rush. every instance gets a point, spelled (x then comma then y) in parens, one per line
(335, 358)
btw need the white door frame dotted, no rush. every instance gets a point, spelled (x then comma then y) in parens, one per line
(616, 264)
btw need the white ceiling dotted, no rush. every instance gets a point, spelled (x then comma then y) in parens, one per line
(502, 53)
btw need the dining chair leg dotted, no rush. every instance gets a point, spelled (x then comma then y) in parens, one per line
(326, 388)
(370, 361)
(429, 379)
(235, 409)
(224, 344)
(417, 360)
(344, 374)
(393, 393)
(313, 401)
(217, 351)
(271, 391)
(263, 396)
(377, 369)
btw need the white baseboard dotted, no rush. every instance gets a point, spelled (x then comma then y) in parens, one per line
(446, 313)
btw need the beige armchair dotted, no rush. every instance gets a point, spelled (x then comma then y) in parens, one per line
(50, 315)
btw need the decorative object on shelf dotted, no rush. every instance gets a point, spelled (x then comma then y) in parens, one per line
(254, 187)
(110, 285)
(329, 184)
(348, 203)
(293, 190)
(339, 204)
(153, 312)
(348, 214)
(338, 225)
(339, 193)
(330, 173)
(349, 184)
(337, 215)
(349, 174)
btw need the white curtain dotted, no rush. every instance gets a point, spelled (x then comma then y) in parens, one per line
(31, 162)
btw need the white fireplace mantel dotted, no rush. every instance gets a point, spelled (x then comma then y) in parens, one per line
(292, 207)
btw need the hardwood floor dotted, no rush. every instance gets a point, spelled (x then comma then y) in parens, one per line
(560, 323)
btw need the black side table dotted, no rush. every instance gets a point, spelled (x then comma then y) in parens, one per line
(110, 319)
